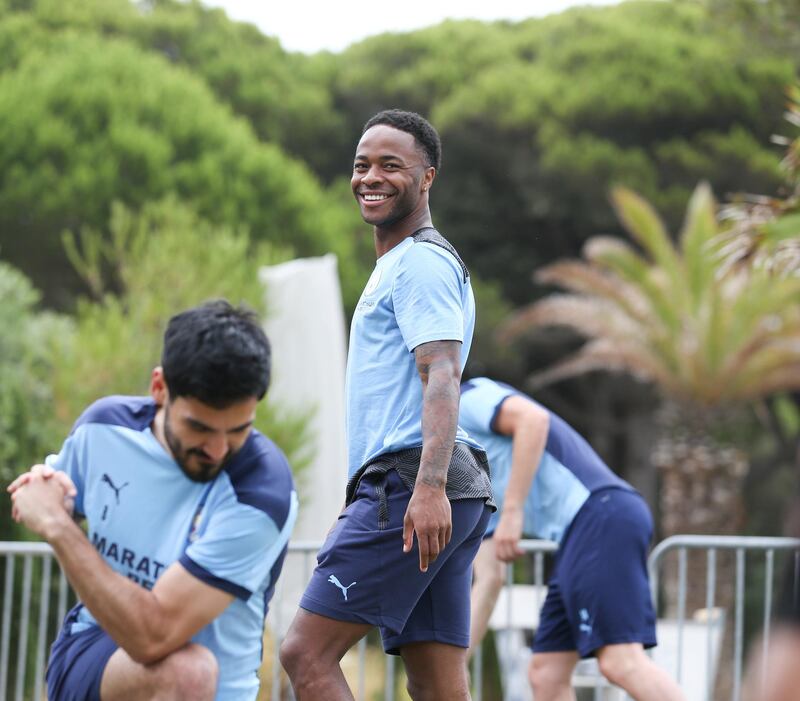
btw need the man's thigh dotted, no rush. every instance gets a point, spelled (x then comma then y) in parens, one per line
(77, 663)
(442, 612)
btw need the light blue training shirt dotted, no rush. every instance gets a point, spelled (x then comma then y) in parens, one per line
(568, 472)
(418, 292)
(144, 514)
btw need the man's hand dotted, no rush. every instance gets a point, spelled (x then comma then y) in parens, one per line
(46, 472)
(39, 505)
(508, 533)
(429, 516)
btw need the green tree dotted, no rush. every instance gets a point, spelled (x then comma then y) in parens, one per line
(87, 121)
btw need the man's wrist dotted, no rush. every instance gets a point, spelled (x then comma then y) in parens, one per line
(430, 482)
(56, 526)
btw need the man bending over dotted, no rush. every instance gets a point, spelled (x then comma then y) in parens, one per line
(549, 483)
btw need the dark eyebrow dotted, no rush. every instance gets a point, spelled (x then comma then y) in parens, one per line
(383, 158)
(200, 426)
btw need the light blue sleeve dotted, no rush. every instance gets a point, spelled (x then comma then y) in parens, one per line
(480, 402)
(427, 296)
(238, 546)
(69, 460)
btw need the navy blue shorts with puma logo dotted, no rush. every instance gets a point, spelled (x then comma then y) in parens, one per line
(363, 575)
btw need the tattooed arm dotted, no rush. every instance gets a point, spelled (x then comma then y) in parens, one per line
(428, 514)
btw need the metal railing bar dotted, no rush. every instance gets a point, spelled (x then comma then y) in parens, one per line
(738, 641)
(8, 595)
(44, 610)
(723, 542)
(22, 646)
(711, 585)
(768, 584)
(681, 611)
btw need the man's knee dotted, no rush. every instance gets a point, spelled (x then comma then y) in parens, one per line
(191, 672)
(291, 653)
(492, 576)
(618, 663)
(434, 688)
(302, 662)
(546, 677)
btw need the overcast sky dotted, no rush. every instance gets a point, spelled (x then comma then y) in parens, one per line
(335, 24)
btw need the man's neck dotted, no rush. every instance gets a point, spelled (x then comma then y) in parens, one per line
(386, 238)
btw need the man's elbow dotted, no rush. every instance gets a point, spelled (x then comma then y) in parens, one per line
(149, 647)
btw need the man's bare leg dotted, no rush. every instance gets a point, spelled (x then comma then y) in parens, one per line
(311, 653)
(628, 667)
(436, 672)
(488, 578)
(550, 675)
(190, 672)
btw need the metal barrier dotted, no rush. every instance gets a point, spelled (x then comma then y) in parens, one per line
(711, 618)
(40, 599)
(35, 600)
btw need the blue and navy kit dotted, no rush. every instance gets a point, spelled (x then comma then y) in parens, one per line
(568, 472)
(144, 514)
(598, 592)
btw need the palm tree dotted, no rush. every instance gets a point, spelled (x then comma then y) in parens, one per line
(765, 231)
(712, 337)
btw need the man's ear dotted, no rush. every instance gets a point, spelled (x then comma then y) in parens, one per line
(158, 386)
(428, 177)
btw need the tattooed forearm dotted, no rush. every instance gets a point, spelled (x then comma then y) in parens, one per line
(439, 366)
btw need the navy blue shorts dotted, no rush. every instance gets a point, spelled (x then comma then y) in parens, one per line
(77, 662)
(363, 575)
(599, 592)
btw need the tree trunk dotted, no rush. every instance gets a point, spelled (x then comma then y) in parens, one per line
(701, 493)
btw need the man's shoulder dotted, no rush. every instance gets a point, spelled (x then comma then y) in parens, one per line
(130, 412)
(431, 240)
(261, 477)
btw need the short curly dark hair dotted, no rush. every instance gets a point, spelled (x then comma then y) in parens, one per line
(216, 353)
(421, 129)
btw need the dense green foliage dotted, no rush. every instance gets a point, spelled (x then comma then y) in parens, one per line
(87, 119)
(29, 343)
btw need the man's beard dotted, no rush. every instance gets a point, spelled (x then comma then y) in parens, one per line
(205, 470)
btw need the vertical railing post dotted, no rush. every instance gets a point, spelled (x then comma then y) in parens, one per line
(711, 586)
(5, 631)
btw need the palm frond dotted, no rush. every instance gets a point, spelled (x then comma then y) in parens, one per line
(587, 279)
(620, 259)
(591, 317)
(697, 242)
(643, 223)
(609, 356)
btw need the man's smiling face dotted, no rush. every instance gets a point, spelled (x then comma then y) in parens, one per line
(390, 176)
